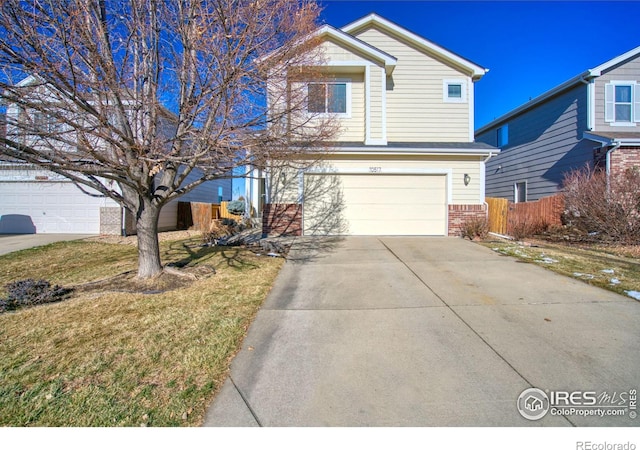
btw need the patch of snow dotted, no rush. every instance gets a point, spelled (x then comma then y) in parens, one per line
(607, 271)
(587, 276)
(614, 281)
(547, 260)
(633, 294)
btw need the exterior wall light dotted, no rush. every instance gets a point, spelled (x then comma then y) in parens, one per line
(467, 179)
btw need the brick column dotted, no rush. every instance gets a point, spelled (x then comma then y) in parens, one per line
(282, 219)
(459, 214)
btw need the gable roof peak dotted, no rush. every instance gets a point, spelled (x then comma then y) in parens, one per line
(476, 70)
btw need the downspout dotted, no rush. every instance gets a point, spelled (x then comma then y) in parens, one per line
(249, 201)
(608, 159)
(484, 201)
(123, 224)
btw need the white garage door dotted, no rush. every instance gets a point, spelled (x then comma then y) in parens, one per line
(48, 207)
(373, 204)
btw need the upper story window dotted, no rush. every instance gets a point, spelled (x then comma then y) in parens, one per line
(454, 91)
(503, 135)
(622, 103)
(333, 97)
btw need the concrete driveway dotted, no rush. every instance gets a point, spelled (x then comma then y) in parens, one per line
(425, 332)
(14, 242)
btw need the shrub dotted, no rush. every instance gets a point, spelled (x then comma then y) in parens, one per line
(477, 227)
(236, 207)
(526, 229)
(29, 292)
(608, 207)
(228, 222)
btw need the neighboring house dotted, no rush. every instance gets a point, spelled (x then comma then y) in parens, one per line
(405, 162)
(593, 118)
(34, 200)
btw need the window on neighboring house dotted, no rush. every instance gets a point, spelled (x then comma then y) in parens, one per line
(454, 91)
(503, 135)
(46, 124)
(328, 98)
(622, 103)
(520, 192)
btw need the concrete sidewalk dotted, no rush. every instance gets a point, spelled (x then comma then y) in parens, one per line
(14, 242)
(424, 332)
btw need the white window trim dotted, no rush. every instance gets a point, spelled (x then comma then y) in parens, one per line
(445, 91)
(635, 103)
(345, 81)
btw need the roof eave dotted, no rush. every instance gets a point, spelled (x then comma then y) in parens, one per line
(604, 140)
(476, 71)
(536, 101)
(371, 150)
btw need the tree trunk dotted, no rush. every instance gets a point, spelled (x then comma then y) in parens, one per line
(149, 264)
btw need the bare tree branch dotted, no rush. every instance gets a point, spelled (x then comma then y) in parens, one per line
(130, 97)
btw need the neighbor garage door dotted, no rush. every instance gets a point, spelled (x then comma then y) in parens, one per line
(374, 204)
(47, 207)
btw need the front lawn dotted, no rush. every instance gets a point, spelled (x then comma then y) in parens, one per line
(113, 357)
(609, 267)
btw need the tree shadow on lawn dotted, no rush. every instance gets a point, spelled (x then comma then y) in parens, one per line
(188, 262)
(194, 253)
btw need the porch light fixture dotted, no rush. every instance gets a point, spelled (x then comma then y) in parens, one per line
(467, 179)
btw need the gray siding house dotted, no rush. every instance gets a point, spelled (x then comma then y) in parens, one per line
(593, 118)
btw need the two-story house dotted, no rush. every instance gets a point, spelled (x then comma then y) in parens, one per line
(36, 200)
(593, 118)
(405, 161)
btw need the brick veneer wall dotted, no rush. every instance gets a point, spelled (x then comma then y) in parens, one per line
(625, 158)
(111, 220)
(284, 219)
(459, 214)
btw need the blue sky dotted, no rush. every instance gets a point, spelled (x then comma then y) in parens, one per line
(529, 47)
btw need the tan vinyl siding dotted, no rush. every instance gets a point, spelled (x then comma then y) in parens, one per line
(416, 110)
(352, 129)
(334, 52)
(629, 71)
(375, 97)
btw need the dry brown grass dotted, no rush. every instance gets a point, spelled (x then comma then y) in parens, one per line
(610, 267)
(125, 359)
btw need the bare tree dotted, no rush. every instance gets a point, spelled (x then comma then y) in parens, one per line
(130, 97)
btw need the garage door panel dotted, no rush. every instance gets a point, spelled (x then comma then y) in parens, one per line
(49, 207)
(375, 204)
(391, 196)
(378, 212)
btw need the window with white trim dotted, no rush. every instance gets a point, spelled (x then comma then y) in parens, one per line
(454, 91)
(622, 103)
(333, 98)
(520, 192)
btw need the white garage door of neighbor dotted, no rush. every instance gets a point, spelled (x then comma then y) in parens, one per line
(50, 207)
(374, 204)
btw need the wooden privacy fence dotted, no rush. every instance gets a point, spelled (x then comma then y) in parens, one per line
(498, 210)
(505, 216)
(200, 215)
